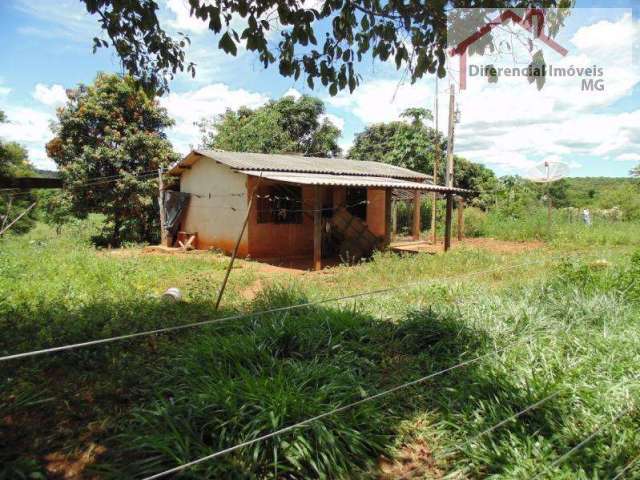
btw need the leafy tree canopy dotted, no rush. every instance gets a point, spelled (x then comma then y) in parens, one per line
(14, 162)
(417, 115)
(109, 140)
(317, 41)
(413, 145)
(281, 126)
(398, 143)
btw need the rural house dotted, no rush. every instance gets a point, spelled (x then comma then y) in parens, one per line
(295, 207)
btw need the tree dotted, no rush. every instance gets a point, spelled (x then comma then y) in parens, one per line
(398, 143)
(417, 114)
(413, 146)
(412, 34)
(281, 126)
(476, 177)
(635, 171)
(14, 162)
(109, 141)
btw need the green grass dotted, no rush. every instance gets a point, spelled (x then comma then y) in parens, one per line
(563, 233)
(560, 324)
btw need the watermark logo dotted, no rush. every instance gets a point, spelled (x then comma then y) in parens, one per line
(492, 32)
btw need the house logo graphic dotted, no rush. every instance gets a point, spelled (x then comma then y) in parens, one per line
(531, 20)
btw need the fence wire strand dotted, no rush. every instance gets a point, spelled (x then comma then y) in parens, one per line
(582, 443)
(632, 463)
(174, 328)
(348, 406)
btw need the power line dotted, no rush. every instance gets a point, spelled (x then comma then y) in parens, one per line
(254, 314)
(515, 416)
(284, 210)
(91, 182)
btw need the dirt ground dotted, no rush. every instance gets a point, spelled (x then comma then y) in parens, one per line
(300, 266)
(413, 461)
(490, 244)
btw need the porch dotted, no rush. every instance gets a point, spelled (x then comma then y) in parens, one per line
(319, 220)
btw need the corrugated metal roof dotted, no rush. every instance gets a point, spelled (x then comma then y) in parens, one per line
(349, 181)
(295, 163)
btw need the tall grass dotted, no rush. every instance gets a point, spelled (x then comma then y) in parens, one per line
(577, 340)
(563, 231)
(567, 328)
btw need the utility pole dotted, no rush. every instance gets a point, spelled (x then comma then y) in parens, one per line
(448, 176)
(449, 169)
(436, 166)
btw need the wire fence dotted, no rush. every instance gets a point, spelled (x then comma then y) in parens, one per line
(634, 462)
(403, 386)
(335, 411)
(548, 468)
(385, 393)
(396, 288)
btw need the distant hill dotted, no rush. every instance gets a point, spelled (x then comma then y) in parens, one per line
(47, 173)
(605, 192)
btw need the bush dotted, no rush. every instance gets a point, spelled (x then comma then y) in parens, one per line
(474, 222)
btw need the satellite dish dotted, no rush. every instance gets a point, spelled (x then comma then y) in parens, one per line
(548, 171)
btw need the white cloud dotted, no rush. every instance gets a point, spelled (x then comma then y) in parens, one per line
(26, 125)
(336, 120)
(30, 128)
(345, 144)
(605, 35)
(383, 100)
(189, 107)
(292, 92)
(514, 125)
(629, 157)
(67, 19)
(52, 96)
(183, 20)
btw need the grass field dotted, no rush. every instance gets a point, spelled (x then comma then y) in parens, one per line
(554, 331)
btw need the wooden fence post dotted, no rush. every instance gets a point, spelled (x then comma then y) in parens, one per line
(388, 227)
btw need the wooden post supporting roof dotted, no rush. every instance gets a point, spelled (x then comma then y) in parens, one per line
(164, 235)
(447, 222)
(317, 228)
(394, 218)
(388, 226)
(460, 218)
(416, 214)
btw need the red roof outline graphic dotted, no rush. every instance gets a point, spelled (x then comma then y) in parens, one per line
(524, 21)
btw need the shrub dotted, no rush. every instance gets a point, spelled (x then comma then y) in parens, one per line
(474, 222)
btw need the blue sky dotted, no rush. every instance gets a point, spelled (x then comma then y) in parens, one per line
(508, 126)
